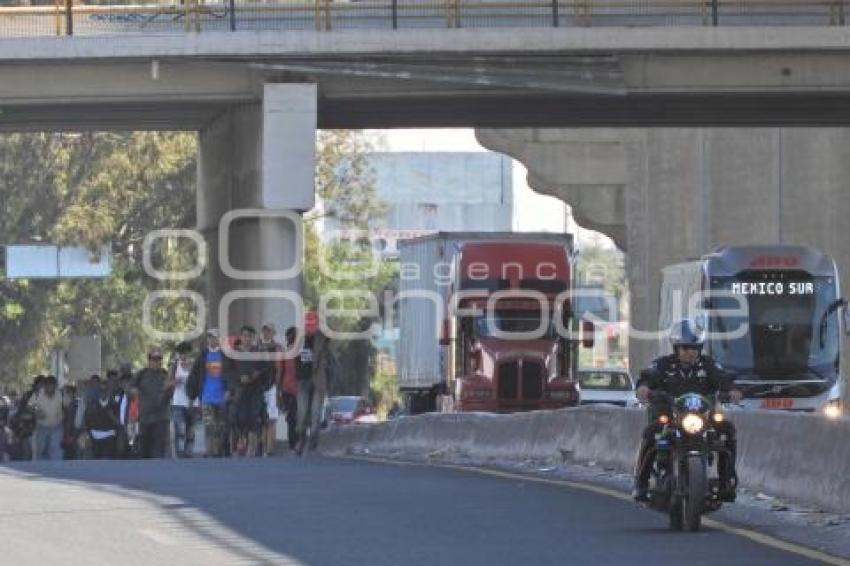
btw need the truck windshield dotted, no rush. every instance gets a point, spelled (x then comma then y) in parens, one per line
(792, 325)
(513, 321)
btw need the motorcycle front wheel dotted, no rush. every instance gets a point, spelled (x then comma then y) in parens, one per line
(695, 497)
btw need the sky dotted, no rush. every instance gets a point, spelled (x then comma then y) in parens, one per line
(534, 212)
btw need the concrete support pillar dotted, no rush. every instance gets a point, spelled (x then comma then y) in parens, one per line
(667, 195)
(259, 157)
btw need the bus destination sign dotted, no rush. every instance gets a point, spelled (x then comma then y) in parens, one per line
(778, 288)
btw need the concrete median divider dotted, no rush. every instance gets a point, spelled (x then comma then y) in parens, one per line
(606, 435)
(796, 456)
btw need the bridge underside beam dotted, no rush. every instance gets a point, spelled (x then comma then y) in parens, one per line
(460, 110)
(505, 110)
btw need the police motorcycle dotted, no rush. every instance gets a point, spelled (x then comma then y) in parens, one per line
(684, 482)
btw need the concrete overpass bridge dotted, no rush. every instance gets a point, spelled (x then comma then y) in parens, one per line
(664, 179)
(658, 76)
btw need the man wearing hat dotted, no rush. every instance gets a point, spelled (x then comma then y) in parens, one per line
(312, 371)
(154, 390)
(268, 344)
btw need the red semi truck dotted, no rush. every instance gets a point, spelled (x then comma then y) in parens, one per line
(486, 323)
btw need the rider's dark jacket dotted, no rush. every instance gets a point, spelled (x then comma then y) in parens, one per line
(669, 375)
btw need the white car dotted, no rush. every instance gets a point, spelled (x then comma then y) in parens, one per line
(611, 386)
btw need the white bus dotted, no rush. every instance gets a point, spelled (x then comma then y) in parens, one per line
(773, 320)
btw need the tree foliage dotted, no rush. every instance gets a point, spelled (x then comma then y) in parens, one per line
(347, 273)
(95, 188)
(87, 189)
(605, 268)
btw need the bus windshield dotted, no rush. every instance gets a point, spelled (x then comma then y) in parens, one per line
(792, 325)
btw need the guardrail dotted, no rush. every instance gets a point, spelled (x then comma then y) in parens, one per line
(66, 17)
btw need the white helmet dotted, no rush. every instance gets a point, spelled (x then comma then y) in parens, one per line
(686, 333)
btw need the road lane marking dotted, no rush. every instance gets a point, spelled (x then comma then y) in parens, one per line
(755, 536)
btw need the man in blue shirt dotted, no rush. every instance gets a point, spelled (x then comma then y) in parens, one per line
(208, 380)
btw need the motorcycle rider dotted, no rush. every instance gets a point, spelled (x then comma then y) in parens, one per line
(686, 370)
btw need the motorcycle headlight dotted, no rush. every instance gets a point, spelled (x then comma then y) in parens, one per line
(692, 424)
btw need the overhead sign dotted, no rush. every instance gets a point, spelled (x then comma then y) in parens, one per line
(32, 262)
(80, 262)
(55, 262)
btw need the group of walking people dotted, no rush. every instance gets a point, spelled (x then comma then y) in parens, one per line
(97, 418)
(238, 394)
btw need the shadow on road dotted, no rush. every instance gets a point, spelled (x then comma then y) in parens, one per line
(252, 511)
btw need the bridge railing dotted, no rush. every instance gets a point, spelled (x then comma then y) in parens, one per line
(67, 17)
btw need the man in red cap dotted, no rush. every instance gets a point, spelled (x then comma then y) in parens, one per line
(312, 369)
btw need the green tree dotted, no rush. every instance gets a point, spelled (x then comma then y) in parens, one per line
(605, 268)
(93, 188)
(345, 185)
(89, 189)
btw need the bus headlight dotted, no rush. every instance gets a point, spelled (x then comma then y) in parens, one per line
(832, 410)
(692, 424)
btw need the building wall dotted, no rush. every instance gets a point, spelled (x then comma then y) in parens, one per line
(440, 191)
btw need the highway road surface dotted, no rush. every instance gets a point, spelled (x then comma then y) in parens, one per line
(332, 512)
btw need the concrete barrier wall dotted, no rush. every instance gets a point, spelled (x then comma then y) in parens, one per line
(797, 456)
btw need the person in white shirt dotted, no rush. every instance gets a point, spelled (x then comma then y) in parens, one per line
(269, 345)
(47, 404)
(182, 408)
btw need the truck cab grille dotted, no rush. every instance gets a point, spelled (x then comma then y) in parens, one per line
(520, 377)
(532, 380)
(509, 380)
